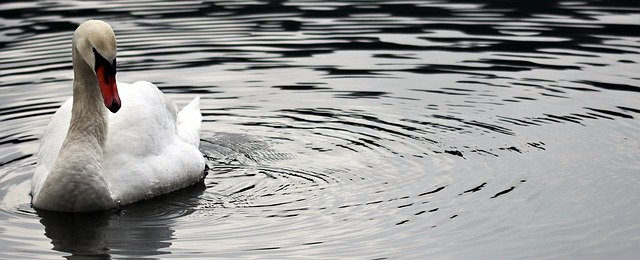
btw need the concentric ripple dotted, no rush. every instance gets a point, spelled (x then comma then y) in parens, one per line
(351, 129)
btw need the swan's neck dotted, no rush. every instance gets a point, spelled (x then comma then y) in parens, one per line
(88, 113)
(87, 135)
(75, 182)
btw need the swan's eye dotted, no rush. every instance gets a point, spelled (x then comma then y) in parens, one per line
(102, 62)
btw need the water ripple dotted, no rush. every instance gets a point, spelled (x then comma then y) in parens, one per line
(377, 129)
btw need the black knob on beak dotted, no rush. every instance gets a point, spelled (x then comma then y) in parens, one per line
(115, 106)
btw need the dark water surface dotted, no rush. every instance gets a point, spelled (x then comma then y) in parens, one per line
(352, 129)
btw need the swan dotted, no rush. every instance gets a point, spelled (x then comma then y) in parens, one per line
(91, 159)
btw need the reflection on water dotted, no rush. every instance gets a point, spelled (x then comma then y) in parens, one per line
(369, 129)
(101, 234)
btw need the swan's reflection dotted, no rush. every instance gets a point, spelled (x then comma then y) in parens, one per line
(140, 229)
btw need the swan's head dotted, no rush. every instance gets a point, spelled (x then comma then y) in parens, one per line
(95, 41)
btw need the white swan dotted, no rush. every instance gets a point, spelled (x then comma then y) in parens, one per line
(90, 159)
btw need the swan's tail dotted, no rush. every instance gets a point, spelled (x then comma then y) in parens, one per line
(189, 121)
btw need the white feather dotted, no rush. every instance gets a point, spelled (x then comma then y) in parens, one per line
(151, 148)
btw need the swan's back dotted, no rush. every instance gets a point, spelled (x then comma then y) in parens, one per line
(145, 155)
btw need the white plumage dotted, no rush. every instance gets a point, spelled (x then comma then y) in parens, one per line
(91, 159)
(151, 148)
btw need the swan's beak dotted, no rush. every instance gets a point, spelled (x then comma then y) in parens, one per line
(108, 87)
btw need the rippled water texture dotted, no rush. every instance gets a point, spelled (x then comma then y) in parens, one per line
(365, 129)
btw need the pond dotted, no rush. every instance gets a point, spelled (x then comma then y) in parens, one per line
(351, 129)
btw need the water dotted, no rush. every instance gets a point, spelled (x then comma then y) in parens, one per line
(363, 129)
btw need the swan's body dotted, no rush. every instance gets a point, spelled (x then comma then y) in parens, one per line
(91, 159)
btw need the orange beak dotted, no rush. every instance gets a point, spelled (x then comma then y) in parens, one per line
(108, 87)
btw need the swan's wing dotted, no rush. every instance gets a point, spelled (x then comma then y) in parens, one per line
(145, 123)
(189, 121)
(50, 144)
(145, 155)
